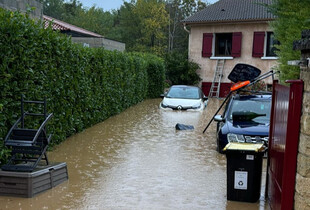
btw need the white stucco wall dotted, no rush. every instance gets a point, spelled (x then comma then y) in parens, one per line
(207, 65)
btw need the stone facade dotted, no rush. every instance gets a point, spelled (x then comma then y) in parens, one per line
(302, 189)
(22, 5)
(207, 65)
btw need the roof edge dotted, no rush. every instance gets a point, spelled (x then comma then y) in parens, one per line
(69, 27)
(226, 22)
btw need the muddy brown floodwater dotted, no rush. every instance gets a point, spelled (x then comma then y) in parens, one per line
(137, 160)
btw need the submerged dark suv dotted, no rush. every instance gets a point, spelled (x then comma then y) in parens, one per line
(246, 119)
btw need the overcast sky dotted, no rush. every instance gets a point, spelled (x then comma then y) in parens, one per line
(104, 4)
(110, 4)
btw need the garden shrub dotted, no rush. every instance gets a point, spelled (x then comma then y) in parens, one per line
(181, 71)
(82, 86)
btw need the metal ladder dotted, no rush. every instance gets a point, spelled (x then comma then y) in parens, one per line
(216, 83)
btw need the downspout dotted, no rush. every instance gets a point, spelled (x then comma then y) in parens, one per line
(184, 27)
(189, 36)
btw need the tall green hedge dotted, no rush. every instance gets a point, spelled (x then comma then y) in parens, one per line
(83, 86)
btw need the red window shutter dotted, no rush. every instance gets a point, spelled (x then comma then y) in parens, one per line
(236, 44)
(207, 45)
(258, 44)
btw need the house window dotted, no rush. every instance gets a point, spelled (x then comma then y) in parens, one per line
(264, 45)
(270, 47)
(223, 44)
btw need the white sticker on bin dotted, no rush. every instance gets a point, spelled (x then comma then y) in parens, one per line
(241, 180)
(250, 157)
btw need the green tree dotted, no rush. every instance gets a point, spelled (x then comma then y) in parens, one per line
(54, 8)
(72, 10)
(177, 11)
(96, 20)
(180, 71)
(128, 25)
(293, 16)
(142, 25)
(190, 7)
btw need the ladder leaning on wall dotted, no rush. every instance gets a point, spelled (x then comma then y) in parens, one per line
(216, 83)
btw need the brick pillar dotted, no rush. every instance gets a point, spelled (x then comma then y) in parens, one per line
(302, 188)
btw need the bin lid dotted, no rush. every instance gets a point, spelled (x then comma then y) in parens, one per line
(245, 147)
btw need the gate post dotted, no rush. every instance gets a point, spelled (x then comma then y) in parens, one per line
(291, 151)
(283, 144)
(302, 195)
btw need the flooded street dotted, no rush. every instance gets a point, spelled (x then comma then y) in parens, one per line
(137, 160)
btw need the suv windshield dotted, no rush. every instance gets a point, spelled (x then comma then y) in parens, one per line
(183, 92)
(252, 105)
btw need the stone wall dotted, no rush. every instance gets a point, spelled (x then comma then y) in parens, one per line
(100, 42)
(302, 193)
(22, 5)
(113, 45)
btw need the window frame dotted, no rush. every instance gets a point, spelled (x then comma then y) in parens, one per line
(257, 36)
(220, 37)
(209, 46)
(267, 45)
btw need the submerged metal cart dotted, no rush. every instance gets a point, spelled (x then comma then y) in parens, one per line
(28, 145)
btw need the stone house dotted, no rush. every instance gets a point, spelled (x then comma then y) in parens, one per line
(232, 31)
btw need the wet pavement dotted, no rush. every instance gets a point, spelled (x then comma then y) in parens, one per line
(137, 160)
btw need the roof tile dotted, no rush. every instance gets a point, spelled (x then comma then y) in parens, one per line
(233, 10)
(63, 26)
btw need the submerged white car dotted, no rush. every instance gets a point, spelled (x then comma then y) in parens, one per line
(183, 97)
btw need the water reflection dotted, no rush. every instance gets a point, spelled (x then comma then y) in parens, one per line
(137, 160)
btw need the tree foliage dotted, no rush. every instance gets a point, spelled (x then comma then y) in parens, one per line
(54, 8)
(293, 16)
(178, 10)
(142, 24)
(179, 70)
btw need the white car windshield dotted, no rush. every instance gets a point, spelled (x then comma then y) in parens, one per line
(183, 92)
